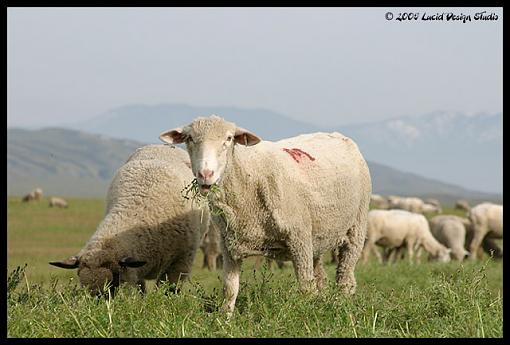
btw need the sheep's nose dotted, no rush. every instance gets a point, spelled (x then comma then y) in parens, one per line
(205, 174)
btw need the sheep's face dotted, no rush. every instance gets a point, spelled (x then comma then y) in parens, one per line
(443, 255)
(96, 279)
(459, 255)
(210, 142)
(98, 270)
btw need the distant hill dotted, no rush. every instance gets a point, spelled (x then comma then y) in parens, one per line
(73, 163)
(461, 149)
(63, 162)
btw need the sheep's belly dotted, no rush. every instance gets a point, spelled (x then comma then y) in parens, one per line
(387, 242)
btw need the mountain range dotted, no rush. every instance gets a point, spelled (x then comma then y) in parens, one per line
(457, 148)
(74, 163)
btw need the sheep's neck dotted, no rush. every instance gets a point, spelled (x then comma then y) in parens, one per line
(235, 177)
(234, 193)
(430, 244)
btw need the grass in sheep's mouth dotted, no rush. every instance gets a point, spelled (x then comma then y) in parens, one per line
(192, 192)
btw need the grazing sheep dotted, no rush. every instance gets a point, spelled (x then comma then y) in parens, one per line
(429, 208)
(487, 222)
(29, 197)
(393, 201)
(462, 205)
(149, 230)
(377, 201)
(34, 195)
(397, 228)
(294, 199)
(414, 205)
(58, 202)
(434, 202)
(451, 231)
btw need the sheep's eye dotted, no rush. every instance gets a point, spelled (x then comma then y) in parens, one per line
(189, 139)
(229, 138)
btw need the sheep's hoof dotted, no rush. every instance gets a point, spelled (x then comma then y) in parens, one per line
(228, 314)
(308, 287)
(347, 288)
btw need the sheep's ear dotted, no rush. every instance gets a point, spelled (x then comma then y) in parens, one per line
(244, 137)
(128, 261)
(173, 136)
(69, 263)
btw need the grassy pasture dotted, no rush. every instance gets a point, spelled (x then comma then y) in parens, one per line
(401, 300)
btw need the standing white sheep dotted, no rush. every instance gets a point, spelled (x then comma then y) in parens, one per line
(294, 199)
(149, 231)
(38, 194)
(487, 222)
(397, 228)
(411, 204)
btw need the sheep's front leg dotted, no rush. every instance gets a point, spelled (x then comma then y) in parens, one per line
(392, 255)
(377, 253)
(231, 273)
(368, 248)
(410, 251)
(365, 254)
(418, 254)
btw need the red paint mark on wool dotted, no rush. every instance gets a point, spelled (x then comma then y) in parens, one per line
(296, 154)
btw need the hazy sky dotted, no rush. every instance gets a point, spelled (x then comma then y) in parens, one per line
(327, 66)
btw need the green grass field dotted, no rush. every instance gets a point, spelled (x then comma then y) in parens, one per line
(401, 300)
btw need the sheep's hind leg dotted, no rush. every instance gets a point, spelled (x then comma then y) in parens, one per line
(410, 251)
(349, 253)
(475, 245)
(320, 275)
